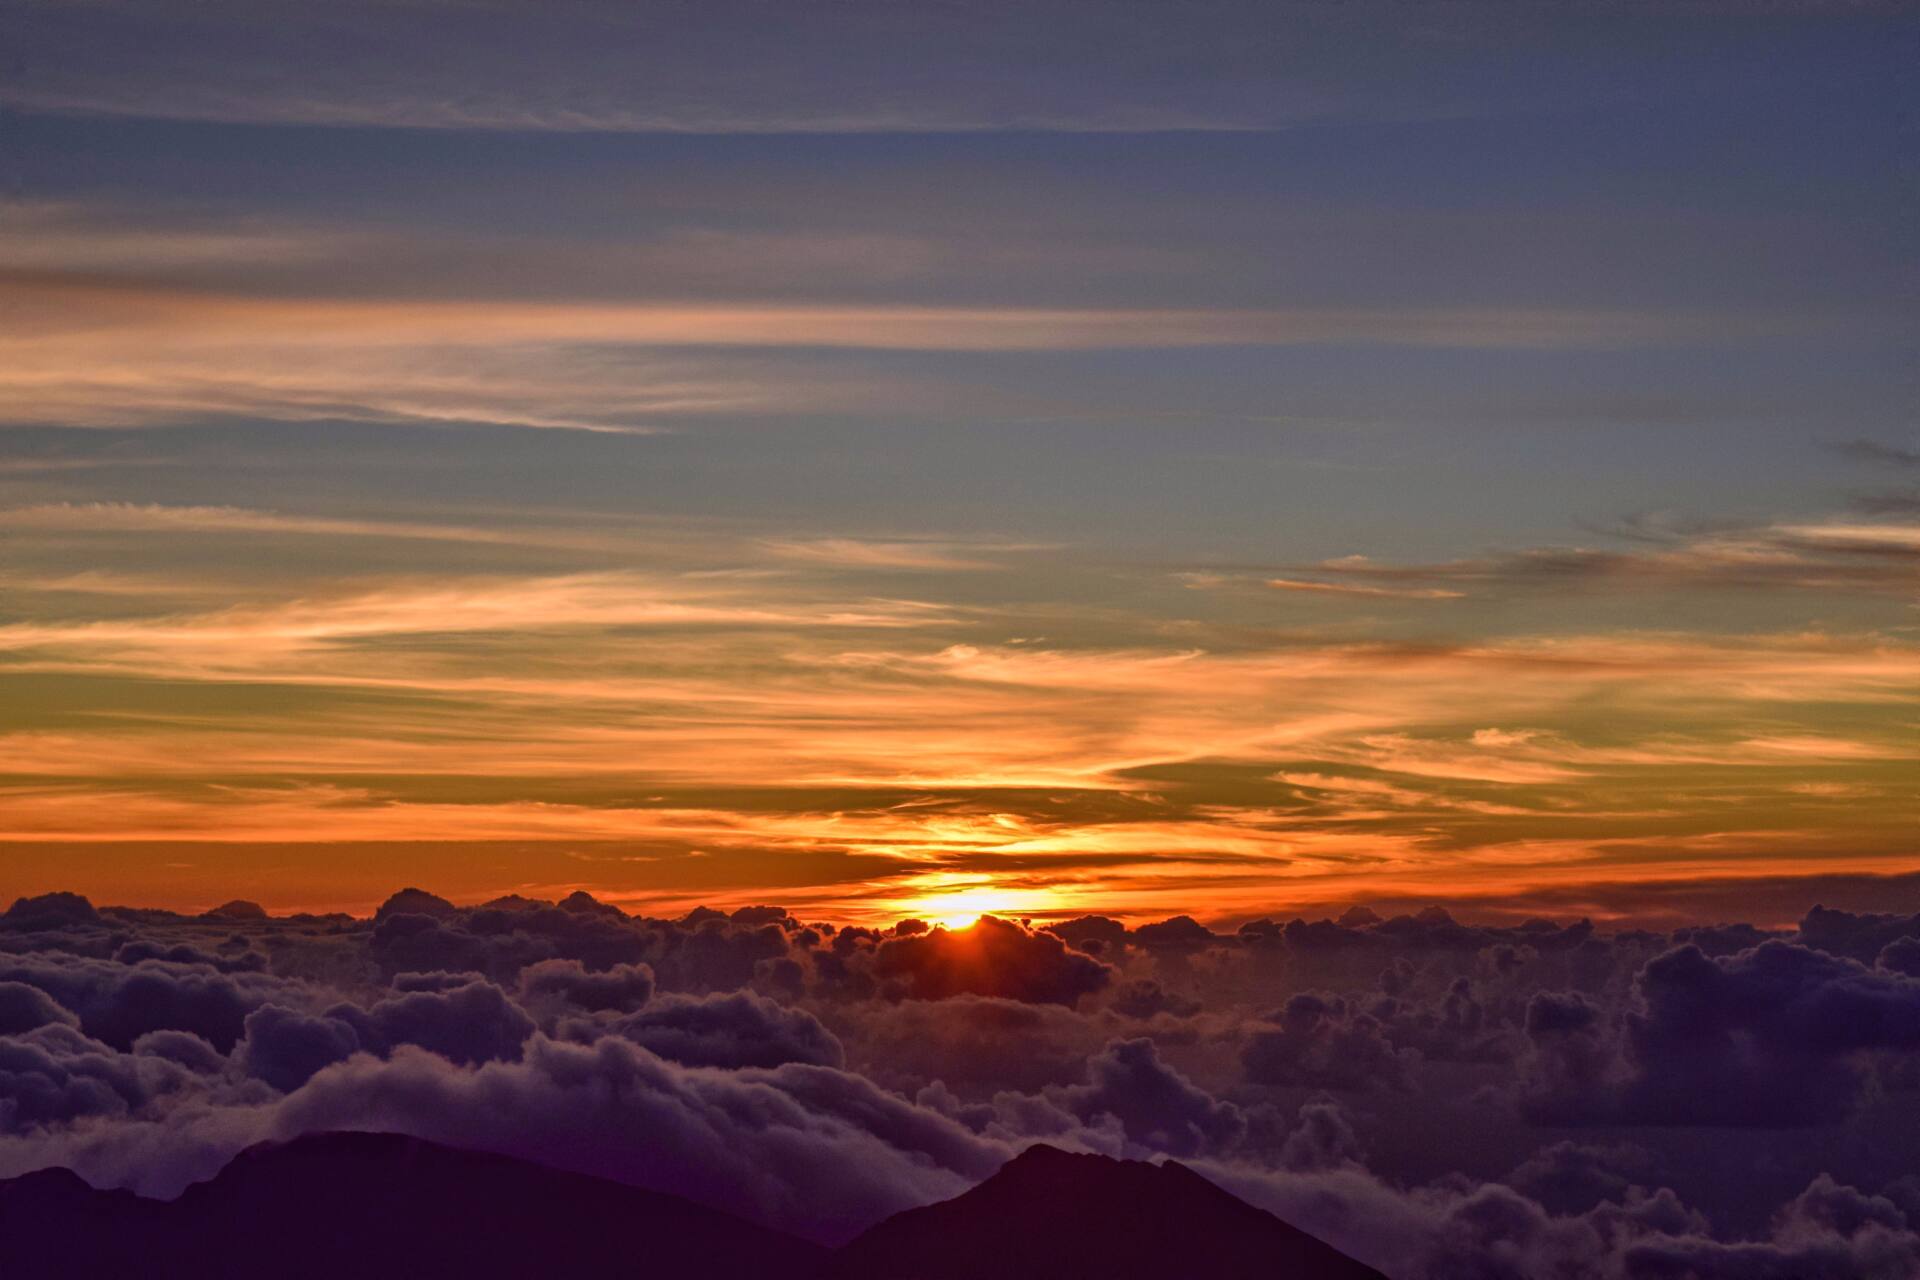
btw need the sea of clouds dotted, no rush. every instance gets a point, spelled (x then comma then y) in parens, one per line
(1436, 1098)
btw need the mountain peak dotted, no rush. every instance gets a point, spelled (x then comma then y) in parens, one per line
(1050, 1213)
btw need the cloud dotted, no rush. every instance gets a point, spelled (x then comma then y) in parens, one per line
(472, 1022)
(1322, 1043)
(1857, 936)
(918, 554)
(623, 988)
(1146, 998)
(1864, 450)
(1570, 1177)
(800, 1147)
(1357, 589)
(739, 1029)
(777, 1084)
(992, 957)
(977, 1045)
(1322, 1140)
(284, 1048)
(54, 1075)
(131, 517)
(1775, 1036)
(24, 1008)
(118, 1003)
(1305, 766)
(1837, 555)
(1159, 1108)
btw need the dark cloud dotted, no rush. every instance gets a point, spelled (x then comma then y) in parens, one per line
(1876, 1252)
(716, 954)
(1146, 998)
(501, 940)
(237, 909)
(1181, 933)
(738, 1029)
(1775, 1036)
(117, 1003)
(184, 1049)
(1676, 904)
(1722, 939)
(22, 1008)
(1877, 452)
(1811, 557)
(473, 1022)
(1322, 1042)
(1902, 955)
(760, 915)
(181, 953)
(1157, 1106)
(285, 1048)
(1458, 1027)
(1857, 936)
(49, 911)
(55, 1075)
(1571, 1177)
(414, 902)
(1094, 934)
(978, 1045)
(1324, 1138)
(464, 1021)
(992, 958)
(623, 988)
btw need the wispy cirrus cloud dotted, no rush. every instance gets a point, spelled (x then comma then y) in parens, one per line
(1845, 555)
(88, 354)
(151, 517)
(1359, 589)
(920, 554)
(609, 706)
(1876, 451)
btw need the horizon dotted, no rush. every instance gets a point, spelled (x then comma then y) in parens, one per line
(1854, 894)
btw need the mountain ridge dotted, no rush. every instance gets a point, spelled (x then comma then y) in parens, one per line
(1055, 1214)
(383, 1206)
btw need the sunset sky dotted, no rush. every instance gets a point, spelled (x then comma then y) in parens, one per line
(1139, 460)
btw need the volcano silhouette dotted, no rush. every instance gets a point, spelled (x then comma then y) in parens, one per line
(1053, 1215)
(378, 1206)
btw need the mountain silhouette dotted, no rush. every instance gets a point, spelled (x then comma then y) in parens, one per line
(1052, 1215)
(379, 1206)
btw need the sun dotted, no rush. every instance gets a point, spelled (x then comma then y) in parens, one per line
(962, 908)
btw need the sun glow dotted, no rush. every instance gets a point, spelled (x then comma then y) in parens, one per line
(962, 908)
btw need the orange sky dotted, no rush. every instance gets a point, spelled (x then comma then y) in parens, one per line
(867, 729)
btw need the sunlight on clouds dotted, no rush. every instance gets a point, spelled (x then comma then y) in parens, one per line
(886, 701)
(89, 354)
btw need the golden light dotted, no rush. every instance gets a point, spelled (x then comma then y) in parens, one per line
(962, 908)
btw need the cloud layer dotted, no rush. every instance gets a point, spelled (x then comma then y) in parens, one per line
(816, 1078)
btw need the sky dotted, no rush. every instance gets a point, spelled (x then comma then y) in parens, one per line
(1224, 459)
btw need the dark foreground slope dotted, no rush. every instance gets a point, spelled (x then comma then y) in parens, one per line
(373, 1206)
(1050, 1215)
